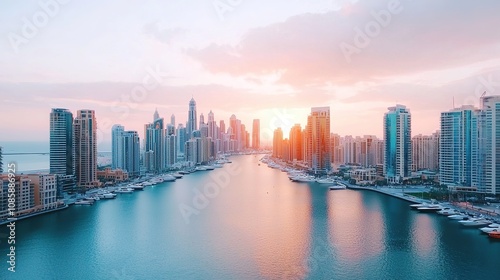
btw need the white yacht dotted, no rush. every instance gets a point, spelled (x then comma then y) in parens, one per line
(325, 181)
(168, 178)
(418, 205)
(489, 229)
(108, 195)
(209, 167)
(447, 211)
(201, 168)
(460, 216)
(475, 222)
(83, 202)
(430, 208)
(136, 187)
(156, 181)
(177, 175)
(304, 179)
(337, 187)
(218, 165)
(124, 190)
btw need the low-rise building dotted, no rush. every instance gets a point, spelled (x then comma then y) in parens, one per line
(24, 196)
(109, 175)
(45, 191)
(364, 176)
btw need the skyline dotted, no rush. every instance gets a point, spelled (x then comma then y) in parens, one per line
(230, 65)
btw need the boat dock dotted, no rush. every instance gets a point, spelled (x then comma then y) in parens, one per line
(394, 192)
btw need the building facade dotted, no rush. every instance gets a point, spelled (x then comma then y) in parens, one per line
(456, 146)
(256, 134)
(61, 142)
(318, 140)
(85, 145)
(425, 152)
(397, 144)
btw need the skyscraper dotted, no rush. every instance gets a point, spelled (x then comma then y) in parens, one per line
(131, 153)
(456, 145)
(85, 137)
(296, 143)
(256, 134)
(156, 115)
(191, 123)
(425, 149)
(202, 120)
(212, 126)
(170, 149)
(172, 120)
(486, 147)
(181, 138)
(278, 143)
(318, 139)
(155, 145)
(397, 137)
(117, 146)
(1, 161)
(335, 148)
(61, 142)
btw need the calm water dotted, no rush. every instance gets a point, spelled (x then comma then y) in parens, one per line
(258, 226)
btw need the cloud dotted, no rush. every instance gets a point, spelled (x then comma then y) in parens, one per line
(306, 48)
(166, 35)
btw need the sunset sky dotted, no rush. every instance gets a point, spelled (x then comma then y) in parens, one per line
(271, 60)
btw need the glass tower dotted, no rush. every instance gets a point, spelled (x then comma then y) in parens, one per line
(397, 144)
(61, 142)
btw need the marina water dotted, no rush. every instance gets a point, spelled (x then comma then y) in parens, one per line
(256, 225)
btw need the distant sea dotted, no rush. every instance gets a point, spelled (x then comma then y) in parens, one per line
(36, 162)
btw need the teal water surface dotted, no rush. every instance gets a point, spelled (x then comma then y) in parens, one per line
(246, 221)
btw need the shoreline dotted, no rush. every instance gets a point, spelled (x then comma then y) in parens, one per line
(409, 198)
(4, 222)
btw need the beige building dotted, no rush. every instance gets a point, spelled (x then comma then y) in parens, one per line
(24, 194)
(425, 149)
(45, 191)
(364, 176)
(109, 175)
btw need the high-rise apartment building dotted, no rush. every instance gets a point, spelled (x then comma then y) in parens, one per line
(296, 143)
(85, 145)
(192, 124)
(425, 150)
(61, 142)
(117, 146)
(456, 146)
(278, 143)
(318, 140)
(256, 134)
(397, 144)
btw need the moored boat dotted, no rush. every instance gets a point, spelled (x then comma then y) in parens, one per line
(430, 208)
(495, 235)
(489, 229)
(460, 216)
(136, 187)
(325, 181)
(337, 187)
(84, 202)
(475, 222)
(124, 190)
(447, 211)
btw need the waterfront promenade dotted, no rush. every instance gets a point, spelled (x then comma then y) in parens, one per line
(406, 194)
